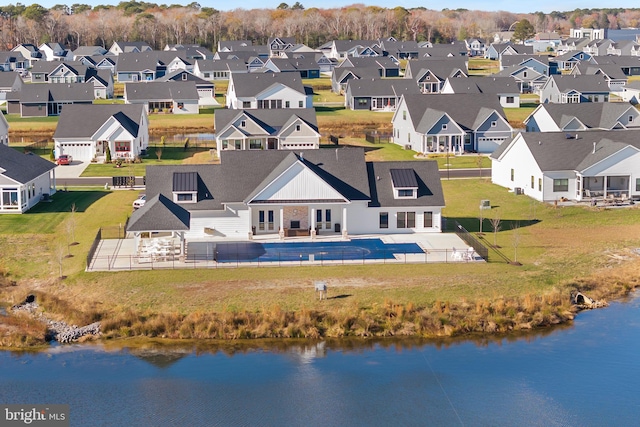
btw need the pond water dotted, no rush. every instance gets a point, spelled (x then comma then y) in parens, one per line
(583, 375)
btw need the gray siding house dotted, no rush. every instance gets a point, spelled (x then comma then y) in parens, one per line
(377, 94)
(450, 123)
(37, 100)
(573, 89)
(278, 129)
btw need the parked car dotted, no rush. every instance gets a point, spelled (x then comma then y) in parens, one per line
(139, 202)
(64, 159)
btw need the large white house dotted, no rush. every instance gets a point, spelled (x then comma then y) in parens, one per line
(551, 166)
(268, 91)
(84, 132)
(289, 193)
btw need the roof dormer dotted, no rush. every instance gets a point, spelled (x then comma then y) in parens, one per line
(185, 187)
(405, 183)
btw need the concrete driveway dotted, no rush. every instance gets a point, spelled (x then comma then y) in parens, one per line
(74, 170)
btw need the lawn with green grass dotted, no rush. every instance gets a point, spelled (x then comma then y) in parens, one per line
(156, 155)
(516, 116)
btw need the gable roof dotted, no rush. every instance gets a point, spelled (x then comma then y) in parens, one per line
(160, 214)
(249, 85)
(228, 182)
(580, 83)
(490, 84)
(270, 120)
(467, 110)
(145, 91)
(82, 121)
(381, 87)
(38, 93)
(554, 152)
(594, 115)
(424, 175)
(22, 167)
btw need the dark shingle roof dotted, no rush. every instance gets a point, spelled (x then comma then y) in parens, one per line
(247, 85)
(270, 120)
(22, 167)
(148, 91)
(37, 93)
(160, 214)
(82, 121)
(553, 151)
(427, 180)
(468, 110)
(580, 83)
(381, 87)
(604, 115)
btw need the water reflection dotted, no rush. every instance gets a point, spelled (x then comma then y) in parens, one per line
(584, 374)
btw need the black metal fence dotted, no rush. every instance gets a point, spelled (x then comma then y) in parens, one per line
(378, 138)
(39, 148)
(94, 247)
(123, 181)
(470, 240)
(204, 261)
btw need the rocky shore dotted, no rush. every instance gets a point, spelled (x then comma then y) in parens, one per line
(57, 330)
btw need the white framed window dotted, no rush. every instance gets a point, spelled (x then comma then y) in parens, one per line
(444, 126)
(494, 123)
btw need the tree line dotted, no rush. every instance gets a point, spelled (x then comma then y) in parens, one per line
(158, 25)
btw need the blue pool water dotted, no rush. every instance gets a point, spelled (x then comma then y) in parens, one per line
(367, 249)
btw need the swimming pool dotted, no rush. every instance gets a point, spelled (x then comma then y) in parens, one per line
(365, 249)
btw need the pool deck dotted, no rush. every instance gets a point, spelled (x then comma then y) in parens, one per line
(120, 254)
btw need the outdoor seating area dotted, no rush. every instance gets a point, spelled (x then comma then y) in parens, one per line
(158, 249)
(463, 255)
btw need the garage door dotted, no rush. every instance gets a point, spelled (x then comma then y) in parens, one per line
(82, 151)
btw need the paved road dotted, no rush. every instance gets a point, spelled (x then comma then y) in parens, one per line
(101, 181)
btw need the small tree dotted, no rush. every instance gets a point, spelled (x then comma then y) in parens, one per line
(107, 155)
(479, 164)
(162, 141)
(159, 153)
(495, 225)
(72, 224)
(59, 257)
(516, 237)
(186, 144)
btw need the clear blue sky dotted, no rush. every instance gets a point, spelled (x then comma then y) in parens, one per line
(493, 5)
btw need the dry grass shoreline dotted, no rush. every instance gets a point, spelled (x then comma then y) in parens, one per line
(496, 316)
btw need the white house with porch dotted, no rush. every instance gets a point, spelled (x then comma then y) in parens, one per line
(553, 165)
(305, 193)
(85, 132)
(25, 180)
(450, 123)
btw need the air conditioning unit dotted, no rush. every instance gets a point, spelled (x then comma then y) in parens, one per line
(518, 191)
(407, 147)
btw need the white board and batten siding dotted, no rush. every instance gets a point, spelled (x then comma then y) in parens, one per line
(229, 223)
(519, 158)
(299, 183)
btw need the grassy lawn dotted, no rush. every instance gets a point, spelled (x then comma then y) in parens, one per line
(321, 96)
(394, 152)
(481, 66)
(168, 156)
(516, 116)
(555, 245)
